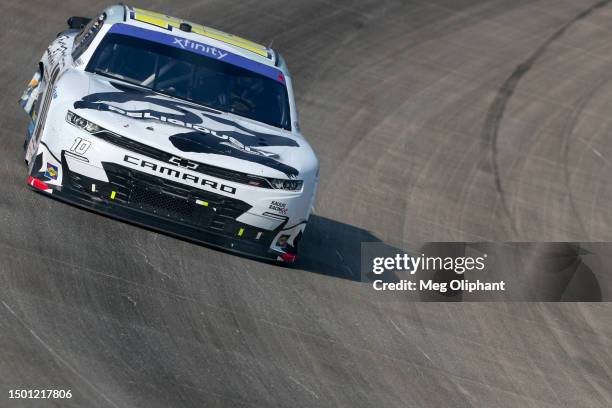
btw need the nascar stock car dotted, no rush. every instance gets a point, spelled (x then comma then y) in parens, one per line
(175, 126)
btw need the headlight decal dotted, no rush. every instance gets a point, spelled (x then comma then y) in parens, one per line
(82, 123)
(281, 184)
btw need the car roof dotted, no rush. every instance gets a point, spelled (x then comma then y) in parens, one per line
(159, 22)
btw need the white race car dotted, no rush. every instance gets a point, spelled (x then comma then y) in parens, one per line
(175, 126)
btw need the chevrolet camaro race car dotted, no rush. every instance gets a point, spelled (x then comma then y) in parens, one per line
(175, 126)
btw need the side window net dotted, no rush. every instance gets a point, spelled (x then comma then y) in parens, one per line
(86, 36)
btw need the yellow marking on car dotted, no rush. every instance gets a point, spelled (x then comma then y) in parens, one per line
(240, 232)
(113, 194)
(168, 23)
(157, 19)
(204, 203)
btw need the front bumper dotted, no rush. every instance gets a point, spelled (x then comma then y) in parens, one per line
(172, 208)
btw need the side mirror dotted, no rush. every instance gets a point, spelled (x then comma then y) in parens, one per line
(77, 23)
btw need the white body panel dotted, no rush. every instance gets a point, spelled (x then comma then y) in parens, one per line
(186, 131)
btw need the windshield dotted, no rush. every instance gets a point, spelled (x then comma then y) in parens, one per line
(197, 78)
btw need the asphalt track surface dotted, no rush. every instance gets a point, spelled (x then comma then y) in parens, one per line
(433, 120)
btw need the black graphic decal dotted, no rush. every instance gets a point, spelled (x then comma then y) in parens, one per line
(199, 142)
(245, 144)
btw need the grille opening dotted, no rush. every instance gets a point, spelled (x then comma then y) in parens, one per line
(161, 203)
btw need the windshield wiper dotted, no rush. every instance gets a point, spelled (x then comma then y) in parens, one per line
(120, 78)
(115, 76)
(216, 109)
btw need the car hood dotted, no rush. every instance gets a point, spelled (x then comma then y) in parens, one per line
(192, 131)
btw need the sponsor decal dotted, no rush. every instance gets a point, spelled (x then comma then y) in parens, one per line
(51, 172)
(178, 175)
(279, 207)
(58, 50)
(184, 43)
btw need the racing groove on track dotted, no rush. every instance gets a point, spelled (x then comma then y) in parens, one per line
(397, 99)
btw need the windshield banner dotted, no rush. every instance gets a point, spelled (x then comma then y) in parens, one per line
(200, 48)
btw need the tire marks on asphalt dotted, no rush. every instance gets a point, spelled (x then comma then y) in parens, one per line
(495, 115)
